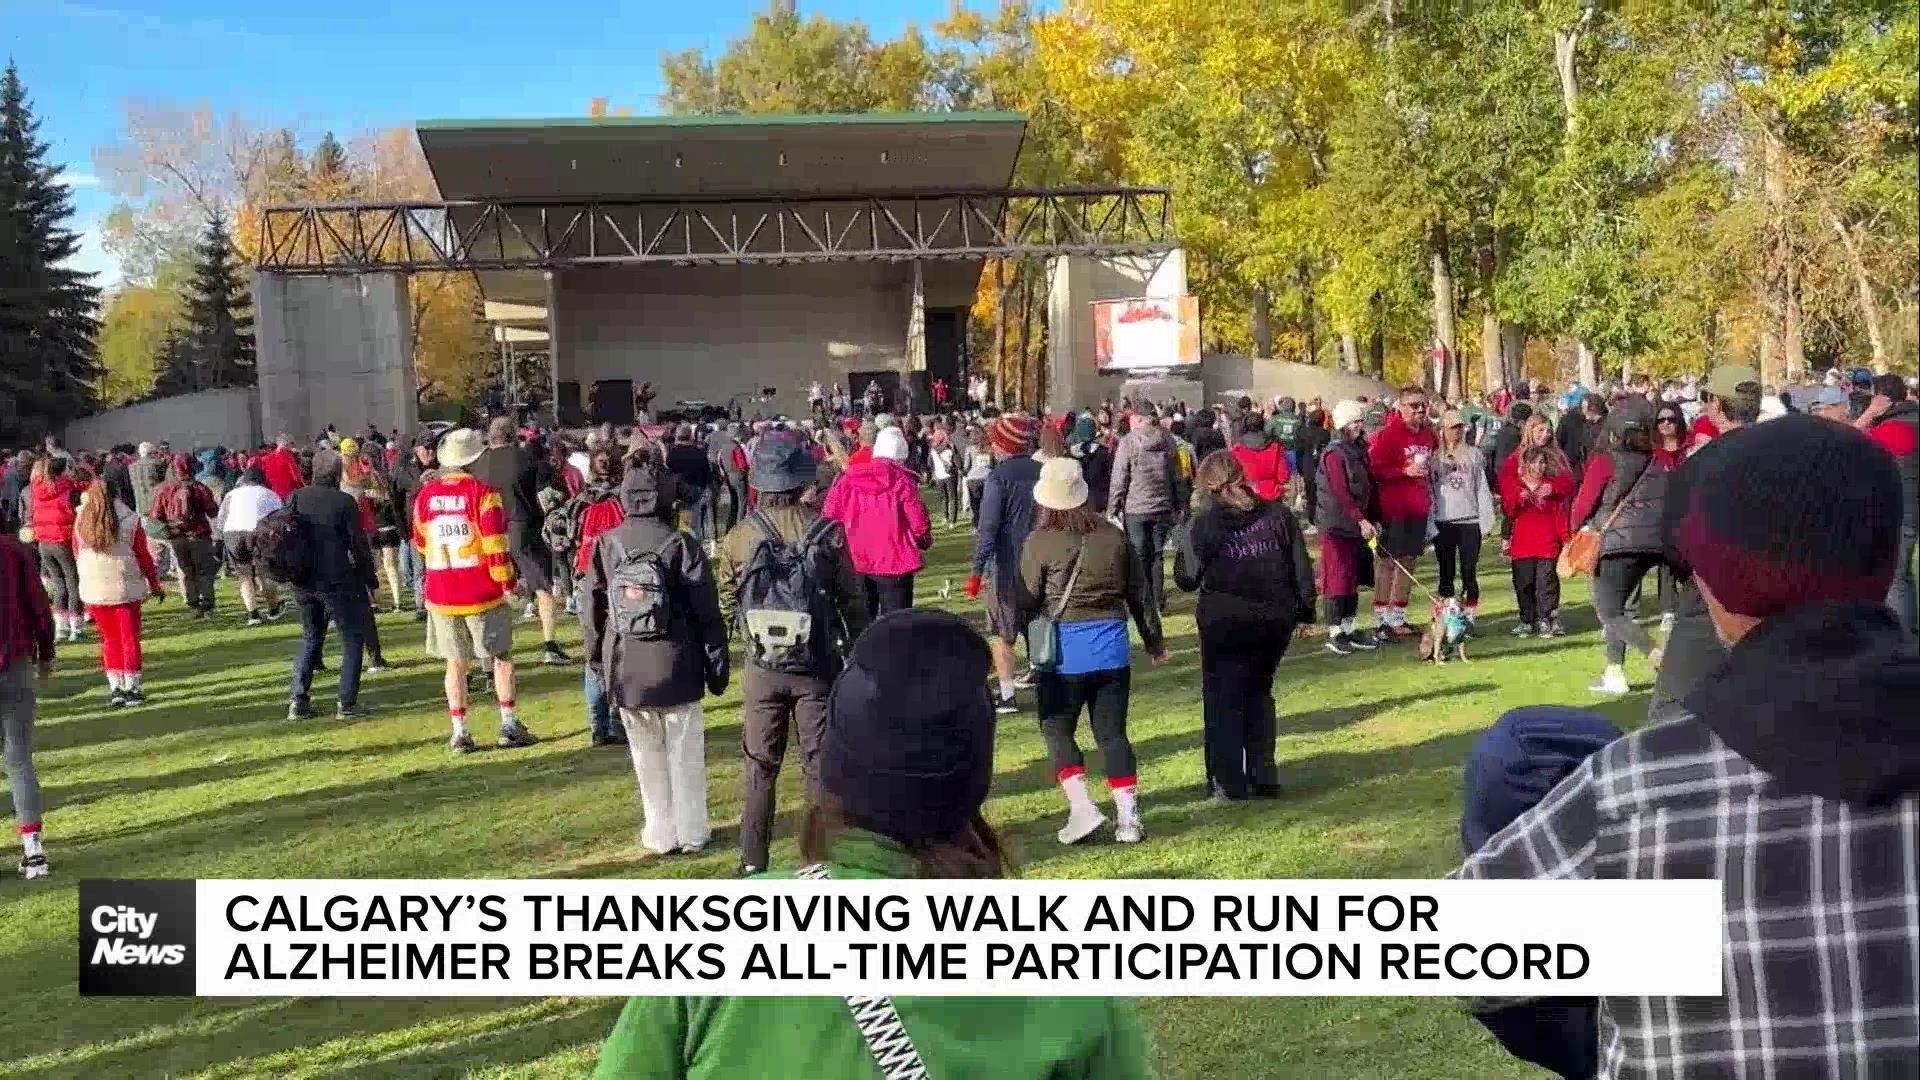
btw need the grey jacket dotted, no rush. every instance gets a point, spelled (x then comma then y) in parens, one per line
(1460, 491)
(1143, 473)
(148, 473)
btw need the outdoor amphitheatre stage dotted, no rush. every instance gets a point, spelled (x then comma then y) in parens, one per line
(714, 256)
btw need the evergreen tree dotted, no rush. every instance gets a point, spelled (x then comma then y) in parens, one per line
(214, 345)
(47, 326)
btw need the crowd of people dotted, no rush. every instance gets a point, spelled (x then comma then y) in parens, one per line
(1775, 529)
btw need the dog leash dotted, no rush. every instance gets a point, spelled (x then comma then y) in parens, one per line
(1373, 545)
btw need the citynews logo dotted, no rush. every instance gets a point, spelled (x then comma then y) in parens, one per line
(136, 938)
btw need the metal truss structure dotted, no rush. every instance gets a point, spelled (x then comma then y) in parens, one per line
(537, 234)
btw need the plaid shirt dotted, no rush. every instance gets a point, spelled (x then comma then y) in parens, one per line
(1822, 962)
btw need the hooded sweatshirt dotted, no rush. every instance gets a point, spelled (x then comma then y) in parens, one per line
(53, 508)
(877, 503)
(1143, 481)
(1389, 452)
(691, 659)
(1265, 461)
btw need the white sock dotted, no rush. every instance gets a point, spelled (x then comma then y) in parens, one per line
(507, 717)
(1126, 802)
(1614, 673)
(132, 681)
(1380, 614)
(31, 843)
(460, 725)
(113, 681)
(1006, 689)
(1397, 616)
(1075, 788)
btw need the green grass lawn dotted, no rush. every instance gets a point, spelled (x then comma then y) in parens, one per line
(208, 780)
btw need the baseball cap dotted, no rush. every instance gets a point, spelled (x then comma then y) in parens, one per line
(1861, 377)
(1828, 397)
(1726, 380)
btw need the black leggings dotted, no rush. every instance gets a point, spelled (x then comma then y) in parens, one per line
(1104, 695)
(1536, 588)
(950, 497)
(1459, 541)
(1237, 662)
(976, 490)
(1615, 580)
(56, 564)
(887, 592)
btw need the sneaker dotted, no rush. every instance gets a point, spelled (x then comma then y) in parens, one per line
(1081, 823)
(1525, 629)
(1613, 683)
(118, 699)
(550, 653)
(513, 735)
(34, 866)
(462, 744)
(532, 613)
(1338, 645)
(253, 619)
(1128, 831)
(354, 711)
(692, 849)
(1024, 681)
(747, 871)
(299, 710)
(1364, 640)
(378, 665)
(135, 697)
(1403, 631)
(1266, 791)
(275, 610)
(1556, 629)
(1005, 707)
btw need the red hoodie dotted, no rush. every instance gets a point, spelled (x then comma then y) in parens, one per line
(1401, 497)
(1540, 524)
(1266, 468)
(282, 471)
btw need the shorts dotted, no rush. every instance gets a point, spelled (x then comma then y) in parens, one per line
(1404, 538)
(531, 559)
(1344, 567)
(1002, 618)
(485, 635)
(239, 547)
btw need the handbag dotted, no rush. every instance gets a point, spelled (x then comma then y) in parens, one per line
(1043, 631)
(1581, 555)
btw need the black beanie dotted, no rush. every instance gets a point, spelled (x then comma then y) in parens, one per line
(1796, 512)
(908, 750)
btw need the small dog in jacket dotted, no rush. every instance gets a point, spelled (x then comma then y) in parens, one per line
(1446, 632)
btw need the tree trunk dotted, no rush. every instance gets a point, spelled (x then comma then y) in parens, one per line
(1349, 354)
(1377, 337)
(1000, 367)
(1443, 311)
(1492, 359)
(1513, 354)
(1781, 341)
(1025, 378)
(1863, 288)
(1588, 369)
(1310, 321)
(1262, 323)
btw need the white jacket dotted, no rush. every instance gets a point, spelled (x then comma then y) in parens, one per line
(112, 576)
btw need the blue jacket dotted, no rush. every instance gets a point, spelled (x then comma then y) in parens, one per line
(1006, 517)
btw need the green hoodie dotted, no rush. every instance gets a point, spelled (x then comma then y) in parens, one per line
(1005, 1038)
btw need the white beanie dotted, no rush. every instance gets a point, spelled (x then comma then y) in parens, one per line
(890, 443)
(883, 420)
(1348, 412)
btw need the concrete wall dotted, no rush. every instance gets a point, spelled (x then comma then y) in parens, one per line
(710, 332)
(334, 350)
(1226, 376)
(227, 418)
(1078, 281)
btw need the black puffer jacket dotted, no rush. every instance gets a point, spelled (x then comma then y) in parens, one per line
(692, 659)
(1638, 492)
(1249, 566)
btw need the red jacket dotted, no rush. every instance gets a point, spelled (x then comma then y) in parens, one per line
(460, 527)
(1266, 468)
(1401, 497)
(26, 619)
(1540, 524)
(282, 471)
(603, 516)
(54, 508)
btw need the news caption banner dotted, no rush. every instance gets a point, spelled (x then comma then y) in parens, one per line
(397, 938)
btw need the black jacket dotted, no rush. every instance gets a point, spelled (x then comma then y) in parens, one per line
(1249, 566)
(1206, 440)
(341, 557)
(1096, 465)
(408, 478)
(692, 658)
(1577, 435)
(1328, 513)
(1638, 492)
(690, 466)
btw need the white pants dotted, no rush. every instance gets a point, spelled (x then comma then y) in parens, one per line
(669, 748)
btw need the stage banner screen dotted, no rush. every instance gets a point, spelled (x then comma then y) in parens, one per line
(1152, 333)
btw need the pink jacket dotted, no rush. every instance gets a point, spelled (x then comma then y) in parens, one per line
(878, 504)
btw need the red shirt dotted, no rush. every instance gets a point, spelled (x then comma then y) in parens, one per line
(1266, 468)
(1704, 428)
(1899, 439)
(1402, 497)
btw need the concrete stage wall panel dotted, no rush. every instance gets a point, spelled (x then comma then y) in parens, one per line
(228, 418)
(707, 333)
(334, 350)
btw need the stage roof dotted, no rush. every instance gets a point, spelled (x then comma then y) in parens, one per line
(677, 156)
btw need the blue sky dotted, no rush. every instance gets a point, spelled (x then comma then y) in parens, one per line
(354, 65)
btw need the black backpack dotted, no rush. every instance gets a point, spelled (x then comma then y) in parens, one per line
(283, 546)
(639, 591)
(787, 620)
